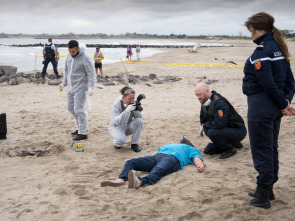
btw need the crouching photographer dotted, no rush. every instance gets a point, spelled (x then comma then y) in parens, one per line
(126, 119)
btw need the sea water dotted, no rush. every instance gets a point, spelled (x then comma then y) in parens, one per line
(30, 58)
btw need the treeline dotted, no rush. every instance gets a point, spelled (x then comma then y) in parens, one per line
(71, 35)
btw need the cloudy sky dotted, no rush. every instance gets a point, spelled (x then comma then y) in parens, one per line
(190, 17)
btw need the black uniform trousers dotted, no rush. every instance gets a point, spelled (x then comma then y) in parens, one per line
(223, 138)
(264, 119)
(48, 59)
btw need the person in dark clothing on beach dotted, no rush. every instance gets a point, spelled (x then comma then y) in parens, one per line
(220, 122)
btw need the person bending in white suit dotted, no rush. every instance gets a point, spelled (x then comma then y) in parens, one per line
(126, 120)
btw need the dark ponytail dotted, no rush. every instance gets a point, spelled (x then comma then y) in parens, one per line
(265, 22)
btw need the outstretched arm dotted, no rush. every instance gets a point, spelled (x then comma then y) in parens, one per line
(199, 164)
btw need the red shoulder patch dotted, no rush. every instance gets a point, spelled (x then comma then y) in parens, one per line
(220, 113)
(258, 65)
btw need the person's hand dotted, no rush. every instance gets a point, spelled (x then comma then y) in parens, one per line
(131, 107)
(288, 111)
(90, 92)
(201, 131)
(201, 167)
(199, 164)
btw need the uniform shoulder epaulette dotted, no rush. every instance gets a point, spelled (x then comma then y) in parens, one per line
(260, 46)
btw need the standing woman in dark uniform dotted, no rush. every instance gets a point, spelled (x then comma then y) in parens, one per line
(269, 86)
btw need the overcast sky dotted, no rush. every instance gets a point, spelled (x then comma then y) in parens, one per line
(190, 17)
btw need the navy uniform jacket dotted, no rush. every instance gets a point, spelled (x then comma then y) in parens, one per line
(266, 70)
(221, 116)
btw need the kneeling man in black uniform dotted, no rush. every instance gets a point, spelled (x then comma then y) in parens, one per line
(220, 122)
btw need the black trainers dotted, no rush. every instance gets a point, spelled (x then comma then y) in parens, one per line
(117, 148)
(135, 147)
(228, 153)
(75, 132)
(58, 76)
(80, 137)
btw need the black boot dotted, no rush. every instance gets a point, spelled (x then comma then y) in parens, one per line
(135, 147)
(271, 194)
(261, 199)
(75, 132)
(80, 137)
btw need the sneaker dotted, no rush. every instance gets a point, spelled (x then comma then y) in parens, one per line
(58, 76)
(114, 183)
(228, 153)
(132, 180)
(75, 132)
(135, 147)
(117, 148)
(80, 137)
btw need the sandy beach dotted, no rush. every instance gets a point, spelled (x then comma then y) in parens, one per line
(65, 185)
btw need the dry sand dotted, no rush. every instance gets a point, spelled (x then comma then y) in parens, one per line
(65, 185)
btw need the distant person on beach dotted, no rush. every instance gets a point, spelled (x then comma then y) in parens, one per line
(220, 122)
(80, 77)
(57, 52)
(98, 56)
(126, 120)
(138, 52)
(269, 86)
(169, 159)
(50, 55)
(129, 52)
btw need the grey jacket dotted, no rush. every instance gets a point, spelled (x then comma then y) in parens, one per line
(79, 73)
(120, 116)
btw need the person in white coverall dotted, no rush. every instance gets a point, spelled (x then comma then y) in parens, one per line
(80, 77)
(126, 120)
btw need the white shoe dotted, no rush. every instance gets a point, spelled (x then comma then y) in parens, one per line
(132, 180)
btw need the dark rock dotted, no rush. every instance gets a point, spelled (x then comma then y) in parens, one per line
(4, 78)
(13, 81)
(211, 81)
(152, 76)
(54, 82)
(38, 75)
(108, 84)
(132, 79)
(171, 79)
(22, 80)
(148, 84)
(8, 70)
(158, 82)
(202, 77)
(231, 62)
(145, 78)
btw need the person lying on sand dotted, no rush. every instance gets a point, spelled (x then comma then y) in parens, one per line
(169, 159)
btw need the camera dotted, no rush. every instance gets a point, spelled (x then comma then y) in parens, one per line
(137, 102)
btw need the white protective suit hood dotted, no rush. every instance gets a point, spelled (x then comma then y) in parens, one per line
(79, 73)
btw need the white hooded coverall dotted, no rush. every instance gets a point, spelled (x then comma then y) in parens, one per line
(80, 77)
(124, 123)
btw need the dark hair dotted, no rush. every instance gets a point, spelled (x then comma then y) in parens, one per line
(49, 39)
(264, 21)
(73, 44)
(125, 89)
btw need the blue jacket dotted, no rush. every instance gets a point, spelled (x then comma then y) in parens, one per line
(266, 70)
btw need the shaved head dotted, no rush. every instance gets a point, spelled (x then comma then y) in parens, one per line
(202, 92)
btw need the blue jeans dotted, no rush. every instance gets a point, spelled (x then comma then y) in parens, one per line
(158, 165)
(264, 119)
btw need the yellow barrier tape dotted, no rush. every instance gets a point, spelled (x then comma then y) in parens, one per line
(182, 64)
(204, 65)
